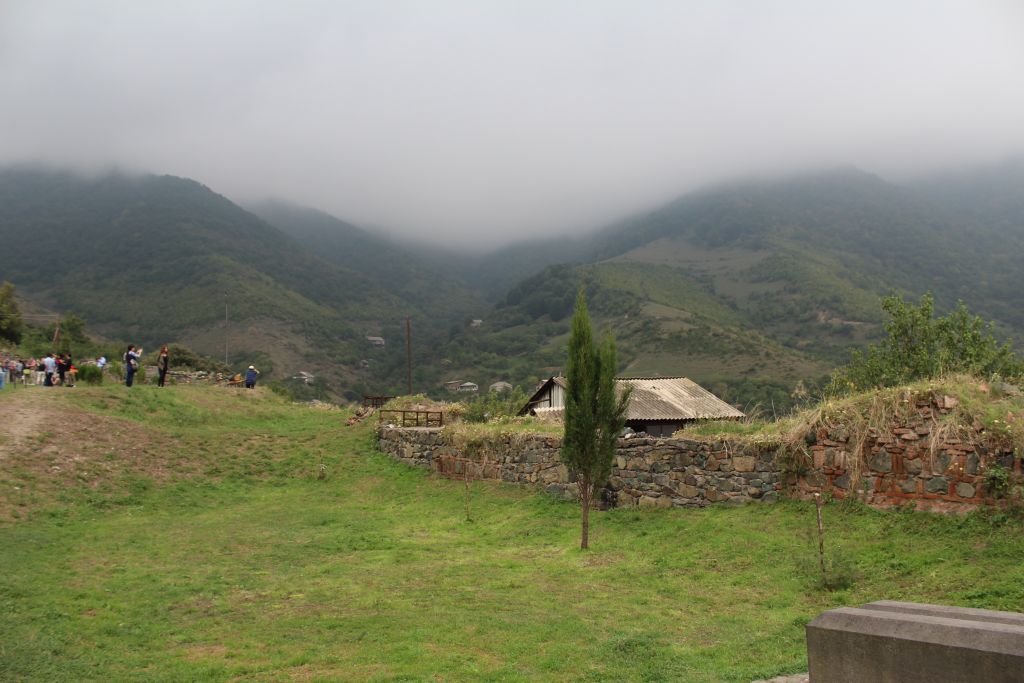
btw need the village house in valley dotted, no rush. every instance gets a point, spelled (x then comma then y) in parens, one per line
(458, 386)
(658, 406)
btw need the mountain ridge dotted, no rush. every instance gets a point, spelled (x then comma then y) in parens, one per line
(753, 286)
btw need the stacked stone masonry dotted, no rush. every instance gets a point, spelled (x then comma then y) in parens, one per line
(897, 467)
(647, 472)
(914, 462)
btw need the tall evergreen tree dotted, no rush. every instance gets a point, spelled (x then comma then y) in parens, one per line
(594, 413)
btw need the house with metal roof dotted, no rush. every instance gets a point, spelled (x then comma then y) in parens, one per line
(658, 406)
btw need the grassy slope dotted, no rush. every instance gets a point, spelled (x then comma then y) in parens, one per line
(246, 566)
(697, 334)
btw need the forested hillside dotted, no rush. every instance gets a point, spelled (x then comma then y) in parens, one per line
(759, 287)
(435, 288)
(156, 259)
(753, 288)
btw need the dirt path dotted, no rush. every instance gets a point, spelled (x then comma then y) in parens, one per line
(24, 417)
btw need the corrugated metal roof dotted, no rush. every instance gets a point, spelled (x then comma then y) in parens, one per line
(550, 413)
(674, 398)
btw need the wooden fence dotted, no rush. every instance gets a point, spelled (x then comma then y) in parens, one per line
(375, 401)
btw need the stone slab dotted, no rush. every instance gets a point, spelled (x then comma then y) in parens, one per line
(898, 642)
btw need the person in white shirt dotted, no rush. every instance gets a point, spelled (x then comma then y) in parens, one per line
(50, 367)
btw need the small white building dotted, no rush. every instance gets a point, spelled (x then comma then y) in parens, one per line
(499, 387)
(476, 322)
(304, 377)
(376, 341)
(468, 388)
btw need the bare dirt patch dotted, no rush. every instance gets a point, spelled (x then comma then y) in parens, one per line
(21, 421)
(50, 449)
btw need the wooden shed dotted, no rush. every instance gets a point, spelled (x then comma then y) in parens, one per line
(658, 406)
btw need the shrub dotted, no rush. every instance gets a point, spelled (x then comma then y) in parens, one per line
(115, 369)
(921, 346)
(997, 480)
(183, 357)
(90, 374)
(494, 405)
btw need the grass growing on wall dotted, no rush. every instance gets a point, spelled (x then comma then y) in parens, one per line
(993, 406)
(234, 562)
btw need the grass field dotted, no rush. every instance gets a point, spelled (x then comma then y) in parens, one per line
(197, 544)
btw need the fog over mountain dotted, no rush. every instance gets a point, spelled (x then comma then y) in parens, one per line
(476, 124)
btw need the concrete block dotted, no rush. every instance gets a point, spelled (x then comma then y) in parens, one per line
(899, 642)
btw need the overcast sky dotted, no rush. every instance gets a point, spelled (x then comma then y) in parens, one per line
(481, 122)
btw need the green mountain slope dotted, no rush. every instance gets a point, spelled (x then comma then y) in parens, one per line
(755, 287)
(156, 259)
(751, 288)
(427, 286)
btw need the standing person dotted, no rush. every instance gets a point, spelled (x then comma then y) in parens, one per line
(162, 361)
(63, 365)
(131, 364)
(49, 368)
(250, 377)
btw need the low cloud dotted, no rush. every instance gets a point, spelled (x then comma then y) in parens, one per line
(480, 123)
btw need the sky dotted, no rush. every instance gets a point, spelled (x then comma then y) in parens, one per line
(475, 123)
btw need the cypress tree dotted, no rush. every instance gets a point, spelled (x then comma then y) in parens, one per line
(594, 414)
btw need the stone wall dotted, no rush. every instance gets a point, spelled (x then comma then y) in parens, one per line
(647, 472)
(914, 461)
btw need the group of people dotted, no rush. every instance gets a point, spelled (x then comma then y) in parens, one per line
(133, 361)
(133, 358)
(55, 369)
(58, 369)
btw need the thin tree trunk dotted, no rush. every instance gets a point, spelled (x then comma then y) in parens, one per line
(585, 503)
(466, 464)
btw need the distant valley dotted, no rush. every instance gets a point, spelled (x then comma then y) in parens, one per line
(750, 288)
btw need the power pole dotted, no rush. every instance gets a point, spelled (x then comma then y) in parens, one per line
(408, 352)
(225, 329)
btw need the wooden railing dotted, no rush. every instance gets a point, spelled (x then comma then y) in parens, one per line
(413, 418)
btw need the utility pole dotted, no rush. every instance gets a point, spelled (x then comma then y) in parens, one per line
(225, 329)
(408, 352)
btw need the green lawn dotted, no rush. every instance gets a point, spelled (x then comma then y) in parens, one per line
(245, 566)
